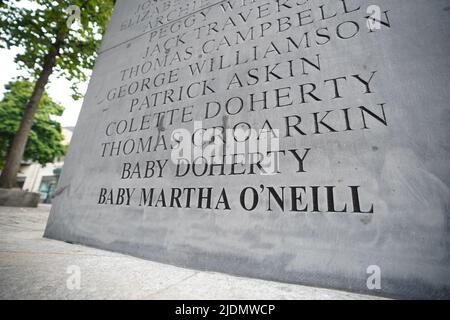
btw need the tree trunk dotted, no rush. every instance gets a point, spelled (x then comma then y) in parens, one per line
(8, 177)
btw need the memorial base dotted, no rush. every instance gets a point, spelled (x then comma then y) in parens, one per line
(18, 198)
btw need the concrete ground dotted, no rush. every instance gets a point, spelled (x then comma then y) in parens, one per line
(32, 267)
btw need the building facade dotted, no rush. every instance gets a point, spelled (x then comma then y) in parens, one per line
(34, 177)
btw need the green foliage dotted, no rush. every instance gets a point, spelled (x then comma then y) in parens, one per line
(46, 137)
(36, 29)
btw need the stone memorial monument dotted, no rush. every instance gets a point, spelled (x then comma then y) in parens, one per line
(304, 141)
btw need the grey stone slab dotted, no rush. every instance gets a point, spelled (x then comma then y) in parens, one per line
(359, 200)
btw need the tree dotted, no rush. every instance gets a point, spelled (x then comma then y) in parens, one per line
(45, 142)
(49, 45)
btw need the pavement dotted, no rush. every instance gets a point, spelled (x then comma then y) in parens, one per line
(32, 267)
